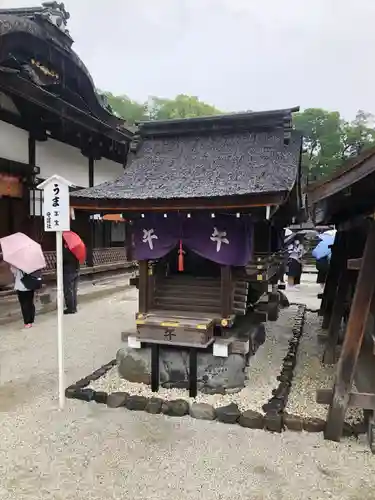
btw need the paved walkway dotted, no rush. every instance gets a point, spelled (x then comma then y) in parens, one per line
(45, 299)
(90, 452)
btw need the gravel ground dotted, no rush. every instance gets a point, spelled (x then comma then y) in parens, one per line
(264, 368)
(90, 452)
(306, 292)
(310, 375)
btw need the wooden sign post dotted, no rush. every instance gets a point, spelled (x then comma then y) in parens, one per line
(56, 212)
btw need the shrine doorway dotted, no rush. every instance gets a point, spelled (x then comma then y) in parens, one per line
(193, 265)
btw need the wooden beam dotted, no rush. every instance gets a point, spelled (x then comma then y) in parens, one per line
(343, 178)
(353, 340)
(353, 223)
(363, 400)
(215, 203)
(354, 264)
(143, 287)
(329, 356)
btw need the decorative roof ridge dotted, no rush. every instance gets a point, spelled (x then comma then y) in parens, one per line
(224, 117)
(53, 13)
(260, 120)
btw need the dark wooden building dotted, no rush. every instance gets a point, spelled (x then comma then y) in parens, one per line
(52, 121)
(190, 183)
(347, 200)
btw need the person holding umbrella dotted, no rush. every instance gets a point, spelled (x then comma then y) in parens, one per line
(26, 260)
(322, 254)
(74, 254)
(295, 254)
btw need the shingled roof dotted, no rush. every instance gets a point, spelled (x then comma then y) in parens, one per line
(228, 155)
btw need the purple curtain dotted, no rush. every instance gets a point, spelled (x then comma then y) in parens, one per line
(224, 239)
(155, 235)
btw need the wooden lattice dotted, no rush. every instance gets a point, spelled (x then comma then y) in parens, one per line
(50, 260)
(102, 256)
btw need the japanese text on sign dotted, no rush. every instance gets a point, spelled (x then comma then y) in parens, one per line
(56, 199)
(56, 205)
(48, 220)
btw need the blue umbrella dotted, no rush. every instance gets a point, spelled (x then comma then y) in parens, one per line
(323, 248)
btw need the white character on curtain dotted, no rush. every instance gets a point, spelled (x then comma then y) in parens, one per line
(219, 237)
(148, 236)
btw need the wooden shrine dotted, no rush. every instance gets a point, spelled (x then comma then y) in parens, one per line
(348, 305)
(207, 200)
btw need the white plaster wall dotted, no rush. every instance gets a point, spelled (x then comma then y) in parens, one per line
(54, 157)
(106, 170)
(14, 143)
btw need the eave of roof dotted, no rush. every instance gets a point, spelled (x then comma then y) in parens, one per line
(21, 29)
(14, 84)
(243, 202)
(351, 172)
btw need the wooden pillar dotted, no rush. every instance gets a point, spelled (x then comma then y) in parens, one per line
(353, 339)
(337, 309)
(336, 264)
(143, 286)
(31, 177)
(329, 356)
(154, 367)
(226, 291)
(91, 171)
(90, 246)
(128, 241)
(91, 241)
(193, 364)
(151, 286)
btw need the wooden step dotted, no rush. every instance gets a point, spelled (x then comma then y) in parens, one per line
(163, 289)
(187, 307)
(187, 299)
(188, 282)
(164, 317)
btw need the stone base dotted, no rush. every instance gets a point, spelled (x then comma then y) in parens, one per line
(215, 375)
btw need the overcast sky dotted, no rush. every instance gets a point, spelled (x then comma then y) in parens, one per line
(235, 54)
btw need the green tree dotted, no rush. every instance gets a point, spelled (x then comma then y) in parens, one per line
(329, 140)
(322, 140)
(182, 106)
(358, 134)
(156, 108)
(122, 106)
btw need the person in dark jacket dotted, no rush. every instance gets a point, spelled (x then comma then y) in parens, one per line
(71, 278)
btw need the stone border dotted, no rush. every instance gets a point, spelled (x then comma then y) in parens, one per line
(275, 419)
(274, 408)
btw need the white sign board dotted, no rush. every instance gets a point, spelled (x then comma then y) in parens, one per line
(56, 207)
(56, 211)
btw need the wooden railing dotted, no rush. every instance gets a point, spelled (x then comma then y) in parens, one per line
(101, 257)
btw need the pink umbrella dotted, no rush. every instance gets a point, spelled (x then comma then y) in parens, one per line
(22, 252)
